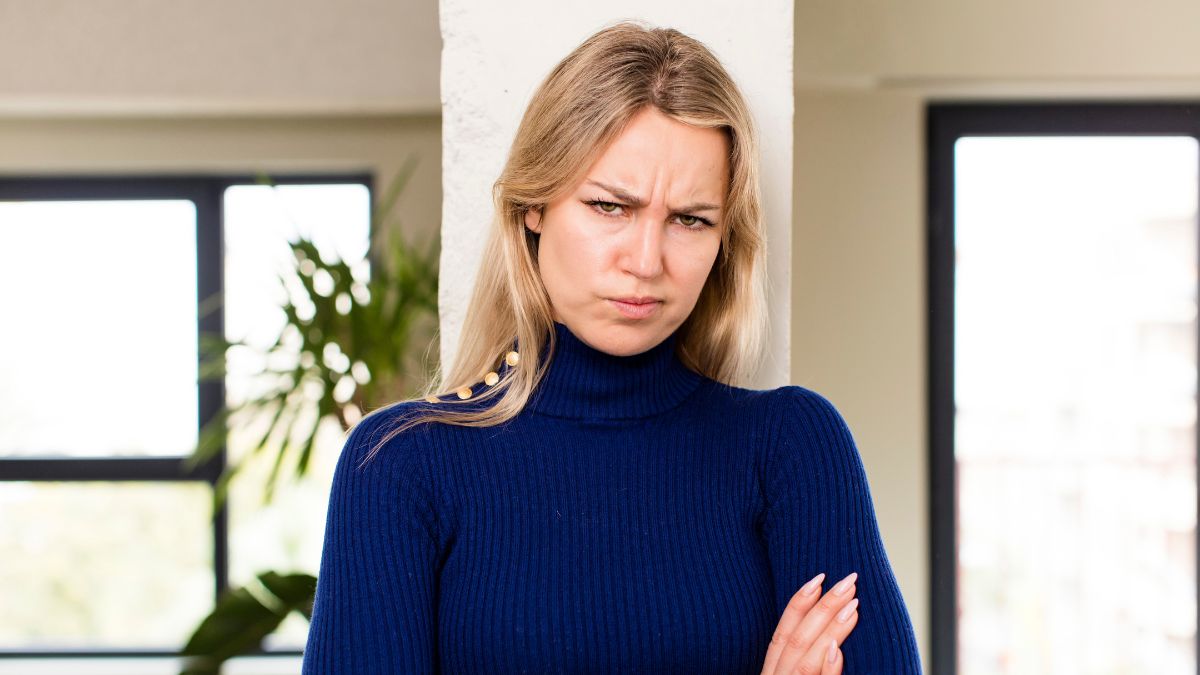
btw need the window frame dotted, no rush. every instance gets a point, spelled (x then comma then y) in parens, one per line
(206, 192)
(945, 123)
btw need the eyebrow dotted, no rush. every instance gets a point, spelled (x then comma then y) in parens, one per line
(639, 202)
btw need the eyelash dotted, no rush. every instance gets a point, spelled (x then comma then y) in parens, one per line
(594, 203)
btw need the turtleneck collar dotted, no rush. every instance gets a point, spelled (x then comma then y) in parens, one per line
(584, 382)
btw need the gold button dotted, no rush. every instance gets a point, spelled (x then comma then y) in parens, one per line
(491, 378)
(465, 392)
(432, 399)
(512, 358)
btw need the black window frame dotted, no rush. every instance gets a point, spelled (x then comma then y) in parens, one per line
(945, 123)
(206, 191)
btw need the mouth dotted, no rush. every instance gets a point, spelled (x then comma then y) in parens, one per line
(636, 308)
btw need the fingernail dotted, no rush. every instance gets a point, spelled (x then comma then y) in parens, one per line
(844, 615)
(832, 651)
(813, 584)
(844, 584)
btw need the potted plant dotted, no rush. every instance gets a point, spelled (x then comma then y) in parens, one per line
(382, 326)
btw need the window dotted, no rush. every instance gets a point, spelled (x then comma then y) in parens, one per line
(109, 545)
(1062, 289)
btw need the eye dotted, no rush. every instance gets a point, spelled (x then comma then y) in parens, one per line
(603, 206)
(695, 222)
(689, 222)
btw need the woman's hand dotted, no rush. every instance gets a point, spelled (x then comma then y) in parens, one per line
(807, 637)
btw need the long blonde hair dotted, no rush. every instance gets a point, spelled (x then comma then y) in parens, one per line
(575, 113)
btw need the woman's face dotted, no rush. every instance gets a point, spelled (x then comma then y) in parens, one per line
(645, 222)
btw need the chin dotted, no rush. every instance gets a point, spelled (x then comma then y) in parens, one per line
(636, 339)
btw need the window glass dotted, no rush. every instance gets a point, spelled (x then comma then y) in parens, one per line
(99, 353)
(104, 565)
(1075, 384)
(286, 535)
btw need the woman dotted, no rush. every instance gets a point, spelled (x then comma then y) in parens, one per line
(588, 489)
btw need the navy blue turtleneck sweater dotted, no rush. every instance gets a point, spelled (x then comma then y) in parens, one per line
(636, 517)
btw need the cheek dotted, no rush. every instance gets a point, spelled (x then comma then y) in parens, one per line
(581, 241)
(570, 253)
(694, 263)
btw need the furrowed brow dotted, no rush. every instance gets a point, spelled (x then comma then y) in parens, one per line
(638, 202)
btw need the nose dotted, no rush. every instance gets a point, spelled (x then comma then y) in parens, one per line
(643, 255)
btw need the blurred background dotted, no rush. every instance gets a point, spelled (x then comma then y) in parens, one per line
(218, 228)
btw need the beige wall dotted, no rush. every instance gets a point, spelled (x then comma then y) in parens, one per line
(219, 56)
(858, 302)
(864, 73)
(274, 145)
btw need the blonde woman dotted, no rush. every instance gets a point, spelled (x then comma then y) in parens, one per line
(589, 488)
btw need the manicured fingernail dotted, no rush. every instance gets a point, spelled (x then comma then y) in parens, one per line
(813, 584)
(844, 584)
(832, 651)
(844, 615)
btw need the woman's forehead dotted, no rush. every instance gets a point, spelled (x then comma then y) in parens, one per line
(653, 146)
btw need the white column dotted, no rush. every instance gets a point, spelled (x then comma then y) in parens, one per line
(495, 54)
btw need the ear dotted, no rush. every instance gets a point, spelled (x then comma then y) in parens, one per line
(533, 220)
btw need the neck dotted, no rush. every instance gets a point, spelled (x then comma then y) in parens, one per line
(583, 382)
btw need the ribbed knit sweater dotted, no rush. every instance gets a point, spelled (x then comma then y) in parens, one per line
(635, 517)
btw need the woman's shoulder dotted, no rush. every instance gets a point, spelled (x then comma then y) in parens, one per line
(809, 426)
(789, 403)
(371, 442)
(805, 413)
(380, 476)
(796, 403)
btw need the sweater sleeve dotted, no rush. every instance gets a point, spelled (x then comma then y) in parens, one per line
(820, 518)
(375, 603)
